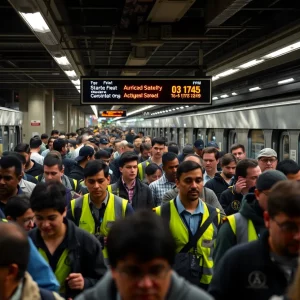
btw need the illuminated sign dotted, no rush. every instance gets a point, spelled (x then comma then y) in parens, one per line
(140, 90)
(113, 113)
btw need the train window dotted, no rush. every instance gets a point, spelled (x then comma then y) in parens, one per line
(232, 138)
(161, 132)
(210, 136)
(256, 142)
(285, 146)
(186, 137)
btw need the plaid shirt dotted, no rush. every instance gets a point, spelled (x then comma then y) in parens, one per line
(159, 188)
(130, 190)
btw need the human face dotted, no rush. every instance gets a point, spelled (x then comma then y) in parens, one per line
(229, 170)
(117, 146)
(252, 175)
(284, 234)
(262, 198)
(8, 182)
(154, 176)
(147, 140)
(50, 144)
(27, 220)
(190, 185)
(210, 162)
(146, 154)
(198, 151)
(157, 151)
(27, 157)
(170, 169)
(70, 147)
(49, 221)
(129, 170)
(53, 173)
(239, 154)
(137, 143)
(294, 176)
(97, 185)
(141, 281)
(267, 163)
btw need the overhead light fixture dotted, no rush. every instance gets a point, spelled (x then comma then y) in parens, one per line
(289, 80)
(76, 82)
(215, 98)
(181, 107)
(173, 109)
(35, 21)
(177, 107)
(71, 73)
(224, 96)
(214, 78)
(283, 51)
(140, 110)
(94, 109)
(251, 63)
(187, 106)
(256, 88)
(227, 73)
(234, 94)
(62, 60)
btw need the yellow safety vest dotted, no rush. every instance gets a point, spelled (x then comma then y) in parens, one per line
(62, 270)
(243, 228)
(141, 169)
(115, 209)
(205, 244)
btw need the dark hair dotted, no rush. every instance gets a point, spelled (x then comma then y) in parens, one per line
(173, 149)
(209, 150)
(141, 132)
(152, 168)
(95, 166)
(144, 147)
(11, 161)
(102, 154)
(48, 195)
(54, 131)
(44, 136)
(15, 154)
(129, 145)
(14, 247)
(72, 134)
(52, 159)
(284, 198)
(58, 144)
(51, 138)
(159, 141)
(109, 150)
(227, 159)
(168, 156)
(35, 143)
(62, 133)
(17, 206)
(130, 237)
(187, 166)
(22, 147)
(136, 137)
(243, 165)
(72, 142)
(288, 166)
(237, 146)
(127, 157)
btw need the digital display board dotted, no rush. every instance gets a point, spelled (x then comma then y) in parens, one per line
(113, 113)
(140, 90)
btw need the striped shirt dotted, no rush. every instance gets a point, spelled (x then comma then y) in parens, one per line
(130, 190)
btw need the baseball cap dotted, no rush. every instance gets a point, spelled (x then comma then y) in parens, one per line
(199, 144)
(212, 144)
(266, 152)
(84, 152)
(267, 179)
(103, 141)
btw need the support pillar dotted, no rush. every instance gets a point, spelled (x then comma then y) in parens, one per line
(61, 120)
(49, 108)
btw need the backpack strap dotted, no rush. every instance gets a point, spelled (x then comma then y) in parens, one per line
(46, 295)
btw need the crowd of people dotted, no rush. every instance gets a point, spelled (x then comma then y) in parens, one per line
(111, 214)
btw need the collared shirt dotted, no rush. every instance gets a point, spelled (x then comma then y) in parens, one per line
(206, 177)
(191, 219)
(159, 188)
(17, 295)
(130, 190)
(96, 211)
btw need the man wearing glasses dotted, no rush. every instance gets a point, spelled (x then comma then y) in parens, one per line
(265, 267)
(267, 159)
(141, 252)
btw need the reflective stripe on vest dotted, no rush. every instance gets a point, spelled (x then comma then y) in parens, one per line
(75, 184)
(62, 270)
(4, 220)
(115, 209)
(242, 228)
(141, 169)
(205, 244)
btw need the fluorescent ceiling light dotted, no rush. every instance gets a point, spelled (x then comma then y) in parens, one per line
(76, 82)
(187, 106)
(177, 107)
(139, 110)
(224, 96)
(215, 98)
(227, 73)
(173, 109)
(234, 94)
(256, 88)
(251, 63)
(94, 109)
(62, 60)
(283, 51)
(286, 81)
(214, 78)
(71, 73)
(36, 21)
(181, 107)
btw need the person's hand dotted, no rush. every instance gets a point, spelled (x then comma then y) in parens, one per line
(240, 184)
(75, 281)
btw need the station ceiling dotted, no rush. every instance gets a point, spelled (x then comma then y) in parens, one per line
(131, 37)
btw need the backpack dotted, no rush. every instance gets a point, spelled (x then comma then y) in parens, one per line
(46, 295)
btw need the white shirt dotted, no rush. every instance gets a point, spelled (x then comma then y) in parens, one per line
(37, 158)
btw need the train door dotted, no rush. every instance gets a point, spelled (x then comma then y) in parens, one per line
(12, 138)
(18, 135)
(256, 142)
(6, 138)
(232, 138)
(210, 136)
(284, 150)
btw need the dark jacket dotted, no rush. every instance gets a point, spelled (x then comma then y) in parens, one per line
(85, 255)
(36, 169)
(247, 272)
(142, 196)
(30, 178)
(179, 289)
(77, 172)
(230, 201)
(114, 166)
(226, 239)
(217, 184)
(68, 164)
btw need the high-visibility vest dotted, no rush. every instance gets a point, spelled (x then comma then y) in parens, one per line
(205, 243)
(243, 228)
(115, 209)
(72, 181)
(62, 270)
(141, 169)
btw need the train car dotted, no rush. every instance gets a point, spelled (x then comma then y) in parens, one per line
(273, 123)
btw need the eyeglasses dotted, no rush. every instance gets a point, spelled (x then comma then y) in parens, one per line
(271, 160)
(135, 273)
(27, 221)
(288, 227)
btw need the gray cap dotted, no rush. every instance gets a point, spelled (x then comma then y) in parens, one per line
(267, 152)
(267, 179)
